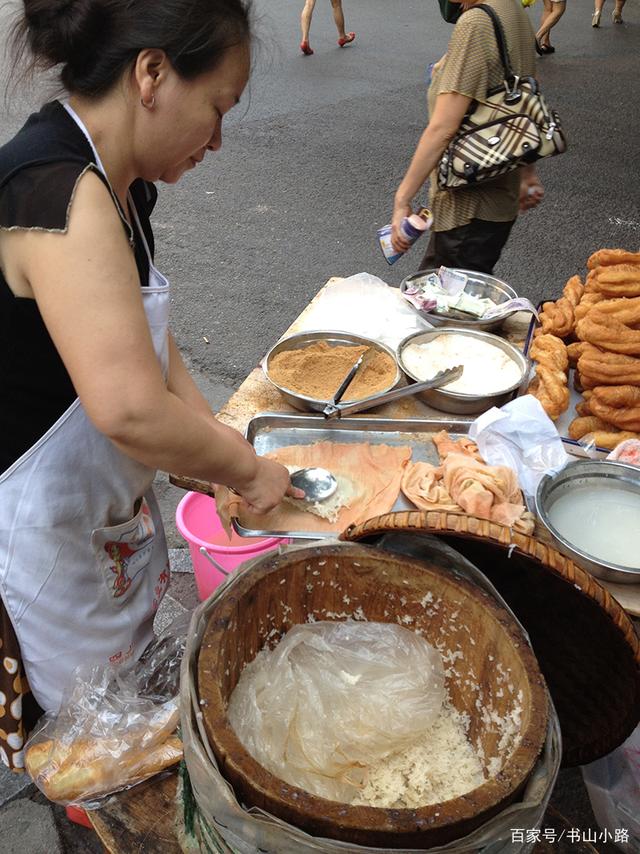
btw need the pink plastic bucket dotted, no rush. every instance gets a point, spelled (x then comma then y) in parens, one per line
(199, 524)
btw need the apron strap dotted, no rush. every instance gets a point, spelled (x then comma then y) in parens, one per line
(76, 118)
(134, 211)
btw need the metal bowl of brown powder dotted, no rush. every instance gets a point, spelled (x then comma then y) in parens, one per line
(307, 368)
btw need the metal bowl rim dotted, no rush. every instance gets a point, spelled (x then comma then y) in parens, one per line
(328, 333)
(549, 480)
(474, 273)
(479, 333)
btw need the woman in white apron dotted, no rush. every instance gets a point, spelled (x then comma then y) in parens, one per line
(95, 396)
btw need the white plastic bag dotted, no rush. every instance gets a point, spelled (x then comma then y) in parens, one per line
(613, 784)
(334, 698)
(520, 435)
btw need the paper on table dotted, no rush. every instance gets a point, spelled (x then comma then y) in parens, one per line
(364, 305)
(522, 436)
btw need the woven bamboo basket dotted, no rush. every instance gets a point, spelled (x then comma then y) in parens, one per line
(284, 590)
(585, 643)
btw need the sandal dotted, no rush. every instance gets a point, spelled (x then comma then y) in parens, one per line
(544, 49)
(304, 47)
(595, 19)
(347, 39)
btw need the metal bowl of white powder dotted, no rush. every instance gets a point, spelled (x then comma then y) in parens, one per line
(493, 368)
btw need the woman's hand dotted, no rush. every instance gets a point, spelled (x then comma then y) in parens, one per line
(401, 209)
(268, 486)
(531, 189)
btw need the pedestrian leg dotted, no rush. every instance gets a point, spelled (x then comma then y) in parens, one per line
(546, 11)
(617, 12)
(338, 16)
(597, 13)
(551, 19)
(305, 23)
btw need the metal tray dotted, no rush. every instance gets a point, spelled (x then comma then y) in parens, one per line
(270, 431)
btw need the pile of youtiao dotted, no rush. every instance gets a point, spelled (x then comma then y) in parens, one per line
(593, 328)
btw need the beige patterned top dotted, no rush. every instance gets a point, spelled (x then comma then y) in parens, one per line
(472, 65)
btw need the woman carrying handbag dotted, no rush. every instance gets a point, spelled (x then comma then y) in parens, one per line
(471, 223)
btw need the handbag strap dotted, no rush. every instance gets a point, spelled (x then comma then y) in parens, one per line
(500, 39)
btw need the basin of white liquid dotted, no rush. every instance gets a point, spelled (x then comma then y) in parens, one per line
(601, 519)
(591, 509)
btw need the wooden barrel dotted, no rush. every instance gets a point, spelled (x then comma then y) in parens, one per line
(497, 673)
(585, 643)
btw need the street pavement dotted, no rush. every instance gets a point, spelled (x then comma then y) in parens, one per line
(309, 164)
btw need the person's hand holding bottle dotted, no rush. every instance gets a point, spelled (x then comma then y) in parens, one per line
(401, 209)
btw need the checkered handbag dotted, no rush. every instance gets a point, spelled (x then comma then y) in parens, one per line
(511, 128)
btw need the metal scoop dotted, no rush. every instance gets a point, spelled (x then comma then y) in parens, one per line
(316, 483)
(333, 410)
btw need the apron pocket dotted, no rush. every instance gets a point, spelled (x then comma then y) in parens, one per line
(123, 552)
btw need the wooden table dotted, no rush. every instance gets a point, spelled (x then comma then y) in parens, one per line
(257, 395)
(140, 820)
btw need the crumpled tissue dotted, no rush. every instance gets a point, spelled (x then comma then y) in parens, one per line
(522, 436)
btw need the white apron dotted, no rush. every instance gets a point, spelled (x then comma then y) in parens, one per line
(83, 557)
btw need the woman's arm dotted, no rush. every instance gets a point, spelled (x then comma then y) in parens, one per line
(181, 383)
(449, 111)
(86, 284)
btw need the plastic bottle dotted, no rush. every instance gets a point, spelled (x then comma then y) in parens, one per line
(412, 227)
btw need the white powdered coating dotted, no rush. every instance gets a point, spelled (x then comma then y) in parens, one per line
(441, 765)
(487, 368)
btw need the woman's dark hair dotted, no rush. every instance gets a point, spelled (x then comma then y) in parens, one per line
(96, 40)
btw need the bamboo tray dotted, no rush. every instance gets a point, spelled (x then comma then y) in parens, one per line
(586, 645)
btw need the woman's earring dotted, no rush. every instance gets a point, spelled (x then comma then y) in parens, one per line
(151, 105)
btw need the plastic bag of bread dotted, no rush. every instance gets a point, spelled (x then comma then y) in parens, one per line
(114, 729)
